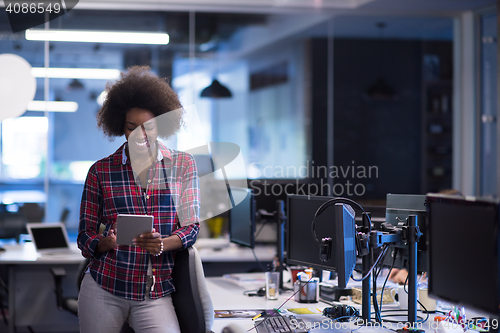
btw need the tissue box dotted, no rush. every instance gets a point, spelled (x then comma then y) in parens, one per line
(357, 295)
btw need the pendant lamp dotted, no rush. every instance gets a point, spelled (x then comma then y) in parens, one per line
(216, 90)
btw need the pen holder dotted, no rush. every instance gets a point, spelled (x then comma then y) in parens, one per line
(309, 291)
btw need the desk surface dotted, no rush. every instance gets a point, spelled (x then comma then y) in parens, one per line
(228, 294)
(210, 251)
(25, 253)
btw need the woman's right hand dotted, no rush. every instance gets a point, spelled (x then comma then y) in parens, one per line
(109, 242)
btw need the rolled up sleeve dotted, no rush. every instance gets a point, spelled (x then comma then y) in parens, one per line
(188, 208)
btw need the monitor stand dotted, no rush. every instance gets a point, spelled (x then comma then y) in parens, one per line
(333, 293)
(280, 218)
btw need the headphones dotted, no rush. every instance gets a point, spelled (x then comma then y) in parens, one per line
(325, 245)
(341, 312)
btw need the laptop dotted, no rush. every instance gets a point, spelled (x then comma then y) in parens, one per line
(50, 238)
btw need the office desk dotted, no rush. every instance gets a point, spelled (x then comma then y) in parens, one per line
(220, 257)
(32, 301)
(228, 295)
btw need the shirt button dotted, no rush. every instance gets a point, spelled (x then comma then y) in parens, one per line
(154, 270)
(147, 197)
(149, 181)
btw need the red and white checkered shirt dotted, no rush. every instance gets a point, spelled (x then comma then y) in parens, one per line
(111, 189)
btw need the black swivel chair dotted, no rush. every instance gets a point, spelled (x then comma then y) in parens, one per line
(67, 303)
(191, 299)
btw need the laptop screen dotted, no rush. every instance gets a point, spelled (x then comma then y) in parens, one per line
(48, 236)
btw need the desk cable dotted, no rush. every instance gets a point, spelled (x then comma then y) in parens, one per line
(4, 286)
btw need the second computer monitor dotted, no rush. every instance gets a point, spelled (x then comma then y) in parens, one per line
(463, 238)
(336, 222)
(242, 217)
(399, 207)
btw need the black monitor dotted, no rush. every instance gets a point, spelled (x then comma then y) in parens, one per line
(463, 240)
(242, 217)
(336, 222)
(398, 208)
(269, 190)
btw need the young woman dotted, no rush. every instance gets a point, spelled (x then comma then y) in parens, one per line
(143, 177)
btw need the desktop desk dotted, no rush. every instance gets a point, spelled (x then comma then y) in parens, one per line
(32, 301)
(228, 295)
(220, 257)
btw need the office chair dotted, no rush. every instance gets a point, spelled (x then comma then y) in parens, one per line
(67, 303)
(70, 304)
(192, 302)
(191, 299)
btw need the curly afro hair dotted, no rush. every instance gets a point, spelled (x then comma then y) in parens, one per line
(140, 88)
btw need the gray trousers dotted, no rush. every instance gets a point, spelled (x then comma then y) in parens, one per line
(100, 311)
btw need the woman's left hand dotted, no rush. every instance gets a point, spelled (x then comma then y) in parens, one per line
(150, 241)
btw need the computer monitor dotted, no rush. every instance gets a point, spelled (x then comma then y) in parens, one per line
(398, 208)
(336, 222)
(269, 190)
(242, 217)
(463, 239)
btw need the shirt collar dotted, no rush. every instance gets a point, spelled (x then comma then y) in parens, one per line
(159, 156)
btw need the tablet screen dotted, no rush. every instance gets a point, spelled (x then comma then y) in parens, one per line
(129, 227)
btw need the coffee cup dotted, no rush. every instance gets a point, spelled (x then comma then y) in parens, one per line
(400, 296)
(428, 303)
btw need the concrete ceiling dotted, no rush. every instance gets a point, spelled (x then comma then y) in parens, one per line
(274, 19)
(353, 7)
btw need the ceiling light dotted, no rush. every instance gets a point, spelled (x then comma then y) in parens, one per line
(216, 90)
(75, 84)
(102, 97)
(52, 106)
(380, 89)
(89, 36)
(76, 73)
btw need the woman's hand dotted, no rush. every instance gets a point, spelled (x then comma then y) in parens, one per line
(109, 242)
(150, 241)
(398, 275)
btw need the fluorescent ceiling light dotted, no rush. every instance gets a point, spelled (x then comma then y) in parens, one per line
(76, 73)
(52, 106)
(102, 97)
(160, 38)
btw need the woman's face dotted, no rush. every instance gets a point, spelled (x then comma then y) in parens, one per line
(140, 131)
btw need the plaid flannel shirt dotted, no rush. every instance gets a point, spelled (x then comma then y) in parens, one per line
(111, 188)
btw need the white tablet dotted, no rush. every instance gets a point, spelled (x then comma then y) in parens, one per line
(130, 226)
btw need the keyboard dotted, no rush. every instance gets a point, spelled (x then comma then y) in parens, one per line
(281, 324)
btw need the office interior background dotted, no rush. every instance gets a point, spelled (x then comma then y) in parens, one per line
(404, 89)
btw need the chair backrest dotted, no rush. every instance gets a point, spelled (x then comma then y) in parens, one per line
(191, 299)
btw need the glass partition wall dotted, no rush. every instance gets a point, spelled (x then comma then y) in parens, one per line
(303, 107)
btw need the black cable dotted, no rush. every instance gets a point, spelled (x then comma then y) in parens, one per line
(261, 227)
(397, 321)
(375, 277)
(371, 269)
(406, 291)
(3, 315)
(257, 260)
(388, 274)
(255, 291)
